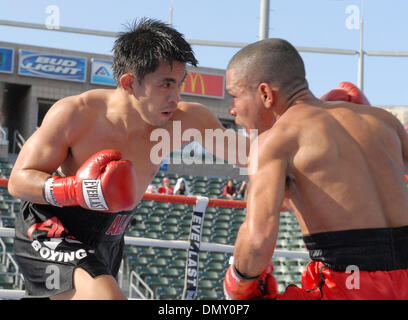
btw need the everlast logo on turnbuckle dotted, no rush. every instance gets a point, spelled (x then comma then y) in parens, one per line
(92, 192)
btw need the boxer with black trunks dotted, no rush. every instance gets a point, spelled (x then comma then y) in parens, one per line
(78, 192)
(339, 166)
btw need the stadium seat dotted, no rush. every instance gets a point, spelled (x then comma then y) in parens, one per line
(177, 263)
(145, 271)
(180, 206)
(205, 284)
(176, 282)
(166, 293)
(163, 253)
(221, 233)
(170, 221)
(179, 254)
(143, 211)
(151, 234)
(219, 240)
(135, 261)
(146, 204)
(221, 225)
(157, 262)
(223, 217)
(214, 266)
(200, 183)
(164, 205)
(168, 236)
(170, 229)
(207, 294)
(8, 241)
(216, 257)
(156, 282)
(152, 227)
(170, 272)
(209, 275)
(147, 251)
(6, 281)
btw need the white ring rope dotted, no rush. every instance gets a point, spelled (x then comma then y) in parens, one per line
(11, 294)
(181, 244)
(147, 242)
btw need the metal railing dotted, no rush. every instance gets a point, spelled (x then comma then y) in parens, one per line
(140, 287)
(18, 141)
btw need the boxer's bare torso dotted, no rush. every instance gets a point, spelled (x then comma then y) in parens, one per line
(79, 126)
(346, 166)
(339, 166)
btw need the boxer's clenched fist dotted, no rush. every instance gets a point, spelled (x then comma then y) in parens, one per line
(103, 183)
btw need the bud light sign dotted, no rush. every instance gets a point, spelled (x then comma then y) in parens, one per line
(6, 60)
(52, 66)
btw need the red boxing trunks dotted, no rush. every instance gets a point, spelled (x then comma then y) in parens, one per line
(364, 264)
(51, 242)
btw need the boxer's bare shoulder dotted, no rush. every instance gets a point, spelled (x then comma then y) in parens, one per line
(197, 116)
(86, 104)
(192, 113)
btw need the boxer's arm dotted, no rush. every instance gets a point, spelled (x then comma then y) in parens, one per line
(257, 236)
(403, 135)
(224, 143)
(45, 150)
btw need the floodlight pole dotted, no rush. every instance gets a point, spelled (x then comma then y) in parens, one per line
(264, 20)
(360, 73)
(171, 14)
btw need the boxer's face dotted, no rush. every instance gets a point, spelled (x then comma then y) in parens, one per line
(159, 93)
(244, 106)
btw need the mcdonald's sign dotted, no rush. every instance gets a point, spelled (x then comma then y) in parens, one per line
(204, 85)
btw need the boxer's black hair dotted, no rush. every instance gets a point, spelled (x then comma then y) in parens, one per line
(145, 44)
(272, 61)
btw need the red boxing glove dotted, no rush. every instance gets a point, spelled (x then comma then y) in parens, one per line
(102, 183)
(237, 287)
(346, 91)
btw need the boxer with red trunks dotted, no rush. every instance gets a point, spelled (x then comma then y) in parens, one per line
(86, 168)
(339, 165)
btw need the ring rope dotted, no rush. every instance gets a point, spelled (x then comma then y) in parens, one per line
(190, 200)
(183, 244)
(200, 203)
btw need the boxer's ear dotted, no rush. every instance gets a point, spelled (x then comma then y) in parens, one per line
(266, 94)
(126, 82)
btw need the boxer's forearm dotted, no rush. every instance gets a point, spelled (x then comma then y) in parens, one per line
(250, 257)
(27, 184)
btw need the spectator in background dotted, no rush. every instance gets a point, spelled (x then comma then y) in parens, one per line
(243, 189)
(229, 190)
(181, 188)
(151, 189)
(165, 187)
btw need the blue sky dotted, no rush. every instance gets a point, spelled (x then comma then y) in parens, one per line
(311, 23)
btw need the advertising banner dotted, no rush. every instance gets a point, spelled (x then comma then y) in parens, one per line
(52, 66)
(101, 72)
(6, 60)
(204, 85)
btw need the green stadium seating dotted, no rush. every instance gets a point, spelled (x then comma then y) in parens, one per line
(6, 281)
(207, 294)
(164, 269)
(166, 293)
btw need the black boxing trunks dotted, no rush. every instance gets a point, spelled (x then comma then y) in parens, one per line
(364, 264)
(50, 242)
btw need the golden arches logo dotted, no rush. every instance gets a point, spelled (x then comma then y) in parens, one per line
(193, 80)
